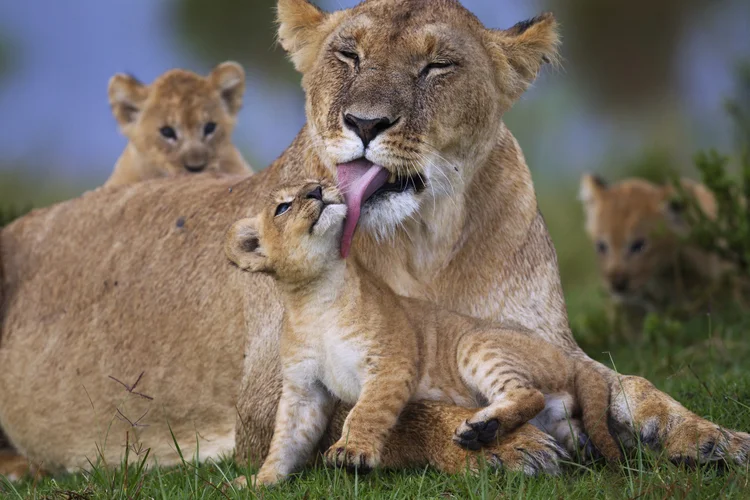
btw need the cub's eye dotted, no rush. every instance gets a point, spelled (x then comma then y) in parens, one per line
(168, 133)
(637, 246)
(209, 128)
(436, 66)
(348, 56)
(283, 207)
(601, 247)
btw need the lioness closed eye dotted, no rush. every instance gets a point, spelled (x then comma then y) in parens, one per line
(346, 334)
(181, 123)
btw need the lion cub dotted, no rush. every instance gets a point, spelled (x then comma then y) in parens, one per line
(346, 335)
(181, 123)
(637, 230)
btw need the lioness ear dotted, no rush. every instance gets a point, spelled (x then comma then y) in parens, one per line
(519, 53)
(592, 189)
(299, 22)
(229, 79)
(242, 246)
(126, 96)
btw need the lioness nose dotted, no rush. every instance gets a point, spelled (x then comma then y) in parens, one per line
(367, 129)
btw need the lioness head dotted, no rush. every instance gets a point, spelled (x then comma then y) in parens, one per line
(296, 235)
(182, 121)
(635, 227)
(405, 97)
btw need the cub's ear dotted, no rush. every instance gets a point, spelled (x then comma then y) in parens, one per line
(126, 97)
(229, 79)
(591, 190)
(519, 53)
(674, 208)
(300, 33)
(242, 246)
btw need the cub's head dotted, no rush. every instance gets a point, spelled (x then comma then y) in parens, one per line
(405, 97)
(295, 237)
(181, 122)
(635, 226)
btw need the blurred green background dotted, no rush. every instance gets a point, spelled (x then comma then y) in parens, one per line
(642, 88)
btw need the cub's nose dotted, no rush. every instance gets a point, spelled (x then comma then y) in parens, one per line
(619, 283)
(195, 159)
(367, 129)
(315, 194)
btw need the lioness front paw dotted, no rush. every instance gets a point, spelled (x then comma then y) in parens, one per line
(352, 456)
(695, 441)
(474, 435)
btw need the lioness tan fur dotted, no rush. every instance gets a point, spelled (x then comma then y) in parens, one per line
(180, 123)
(638, 230)
(134, 280)
(346, 335)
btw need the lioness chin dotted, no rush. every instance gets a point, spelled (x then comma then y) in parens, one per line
(108, 286)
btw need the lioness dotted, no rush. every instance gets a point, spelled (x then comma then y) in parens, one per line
(181, 123)
(105, 285)
(346, 335)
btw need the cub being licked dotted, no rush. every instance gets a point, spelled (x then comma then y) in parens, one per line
(346, 335)
(181, 123)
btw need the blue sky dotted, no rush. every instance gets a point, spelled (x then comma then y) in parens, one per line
(55, 114)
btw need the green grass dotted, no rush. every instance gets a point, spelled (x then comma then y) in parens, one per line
(702, 363)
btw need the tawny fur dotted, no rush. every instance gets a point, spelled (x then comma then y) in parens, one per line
(346, 335)
(638, 232)
(120, 282)
(187, 104)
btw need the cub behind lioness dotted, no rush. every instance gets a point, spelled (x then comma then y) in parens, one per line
(181, 123)
(347, 335)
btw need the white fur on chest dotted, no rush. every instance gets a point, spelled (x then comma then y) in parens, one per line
(332, 358)
(342, 368)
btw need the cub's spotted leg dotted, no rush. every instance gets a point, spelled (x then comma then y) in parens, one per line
(383, 397)
(639, 408)
(301, 420)
(512, 403)
(488, 369)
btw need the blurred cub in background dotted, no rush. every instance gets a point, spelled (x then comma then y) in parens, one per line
(181, 123)
(638, 229)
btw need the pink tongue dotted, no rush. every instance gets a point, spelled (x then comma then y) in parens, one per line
(357, 181)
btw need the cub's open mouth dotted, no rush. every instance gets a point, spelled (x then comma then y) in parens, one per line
(361, 180)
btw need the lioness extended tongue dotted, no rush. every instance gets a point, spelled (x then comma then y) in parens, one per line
(357, 181)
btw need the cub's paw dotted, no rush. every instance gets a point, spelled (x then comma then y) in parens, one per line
(256, 480)
(239, 483)
(474, 435)
(352, 456)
